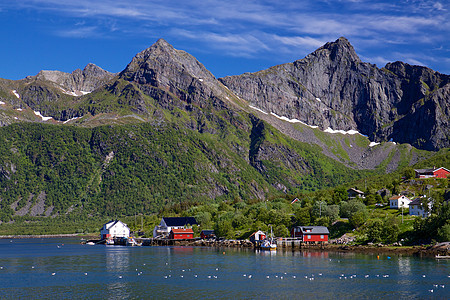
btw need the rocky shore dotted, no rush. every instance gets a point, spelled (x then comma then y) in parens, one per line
(442, 249)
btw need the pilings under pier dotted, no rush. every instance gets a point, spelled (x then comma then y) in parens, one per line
(297, 244)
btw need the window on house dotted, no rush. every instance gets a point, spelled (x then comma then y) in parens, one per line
(321, 236)
(309, 237)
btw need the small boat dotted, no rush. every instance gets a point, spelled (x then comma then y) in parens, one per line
(109, 241)
(442, 256)
(131, 241)
(90, 243)
(269, 244)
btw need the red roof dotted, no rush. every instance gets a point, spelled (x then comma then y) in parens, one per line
(182, 230)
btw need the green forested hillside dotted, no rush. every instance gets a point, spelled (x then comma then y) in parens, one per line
(48, 170)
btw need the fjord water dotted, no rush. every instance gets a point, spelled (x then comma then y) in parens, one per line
(64, 268)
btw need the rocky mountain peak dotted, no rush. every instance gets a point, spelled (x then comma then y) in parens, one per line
(339, 50)
(78, 82)
(162, 64)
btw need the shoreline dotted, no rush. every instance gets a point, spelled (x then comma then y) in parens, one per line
(47, 236)
(421, 250)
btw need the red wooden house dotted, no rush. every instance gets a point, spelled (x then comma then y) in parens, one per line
(430, 173)
(181, 234)
(310, 233)
(207, 234)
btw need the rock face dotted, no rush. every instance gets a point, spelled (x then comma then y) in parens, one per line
(175, 72)
(79, 82)
(331, 87)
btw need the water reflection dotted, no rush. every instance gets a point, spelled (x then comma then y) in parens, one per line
(117, 264)
(404, 265)
(196, 272)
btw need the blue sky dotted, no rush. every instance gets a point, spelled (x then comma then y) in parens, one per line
(228, 37)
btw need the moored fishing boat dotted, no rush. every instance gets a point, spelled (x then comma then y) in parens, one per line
(269, 244)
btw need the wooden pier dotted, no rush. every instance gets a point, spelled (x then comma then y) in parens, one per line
(297, 244)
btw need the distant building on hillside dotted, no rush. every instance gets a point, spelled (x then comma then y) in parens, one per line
(113, 229)
(418, 205)
(431, 173)
(354, 193)
(169, 223)
(399, 201)
(311, 233)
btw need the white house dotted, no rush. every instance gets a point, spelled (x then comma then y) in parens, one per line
(169, 223)
(417, 207)
(399, 201)
(257, 236)
(114, 228)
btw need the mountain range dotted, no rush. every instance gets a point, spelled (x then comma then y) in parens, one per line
(316, 122)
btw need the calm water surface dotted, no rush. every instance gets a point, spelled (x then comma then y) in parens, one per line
(63, 268)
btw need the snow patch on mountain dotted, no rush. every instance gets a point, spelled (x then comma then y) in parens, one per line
(37, 113)
(71, 120)
(292, 120)
(351, 132)
(16, 94)
(255, 108)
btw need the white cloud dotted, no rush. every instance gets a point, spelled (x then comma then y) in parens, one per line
(299, 41)
(79, 32)
(415, 62)
(250, 28)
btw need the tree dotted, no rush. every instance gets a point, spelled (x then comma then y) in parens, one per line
(223, 228)
(281, 230)
(371, 199)
(318, 209)
(347, 209)
(322, 221)
(332, 212)
(443, 233)
(358, 218)
(303, 216)
(409, 173)
(391, 230)
(339, 194)
(203, 218)
(374, 230)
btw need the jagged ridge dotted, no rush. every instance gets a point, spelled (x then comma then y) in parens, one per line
(331, 87)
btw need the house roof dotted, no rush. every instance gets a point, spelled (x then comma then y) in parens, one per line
(425, 171)
(207, 232)
(179, 221)
(314, 229)
(112, 223)
(398, 197)
(355, 190)
(417, 201)
(182, 230)
(259, 232)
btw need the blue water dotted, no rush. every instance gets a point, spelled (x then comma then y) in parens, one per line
(63, 268)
